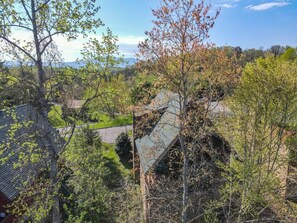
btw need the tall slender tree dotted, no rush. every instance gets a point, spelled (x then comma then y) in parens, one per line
(44, 20)
(173, 51)
(264, 111)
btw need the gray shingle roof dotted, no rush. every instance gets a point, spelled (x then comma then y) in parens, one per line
(152, 147)
(32, 128)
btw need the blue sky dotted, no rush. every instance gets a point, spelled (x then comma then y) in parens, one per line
(244, 23)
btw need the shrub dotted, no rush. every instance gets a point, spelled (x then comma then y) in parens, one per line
(123, 146)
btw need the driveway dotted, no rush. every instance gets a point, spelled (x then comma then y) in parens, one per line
(108, 135)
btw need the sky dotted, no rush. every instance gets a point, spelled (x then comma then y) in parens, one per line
(244, 23)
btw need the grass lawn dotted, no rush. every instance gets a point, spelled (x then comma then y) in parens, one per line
(104, 120)
(110, 153)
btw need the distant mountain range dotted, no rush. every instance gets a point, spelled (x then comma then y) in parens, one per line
(127, 62)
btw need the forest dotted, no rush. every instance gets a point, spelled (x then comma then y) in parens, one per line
(214, 128)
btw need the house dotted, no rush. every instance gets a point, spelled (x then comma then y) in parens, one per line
(72, 107)
(22, 131)
(157, 153)
(159, 160)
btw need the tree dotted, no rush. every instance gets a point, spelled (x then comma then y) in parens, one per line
(102, 58)
(45, 20)
(250, 55)
(87, 180)
(101, 190)
(123, 146)
(264, 111)
(276, 50)
(174, 52)
(113, 98)
(289, 54)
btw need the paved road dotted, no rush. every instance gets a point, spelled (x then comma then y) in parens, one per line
(108, 135)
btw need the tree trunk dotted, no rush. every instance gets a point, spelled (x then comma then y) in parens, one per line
(185, 179)
(55, 215)
(44, 109)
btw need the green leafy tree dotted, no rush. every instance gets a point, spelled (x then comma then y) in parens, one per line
(89, 201)
(16, 87)
(289, 54)
(123, 146)
(113, 98)
(102, 59)
(250, 55)
(102, 56)
(264, 111)
(44, 20)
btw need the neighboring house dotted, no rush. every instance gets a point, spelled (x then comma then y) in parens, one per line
(156, 128)
(157, 138)
(72, 107)
(75, 104)
(18, 126)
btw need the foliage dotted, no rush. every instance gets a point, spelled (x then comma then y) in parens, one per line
(99, 185)
(17, 87)
(263, 108)
(87, 181)
(141, 92)
(128, 72)
(44, 21)
(290, 54)
(102, 56)
(177, 53)
(276, 50)
(127, 202)
(123, 146)
(55, 115)
(252, 54)
(113, 98)
(108, 89)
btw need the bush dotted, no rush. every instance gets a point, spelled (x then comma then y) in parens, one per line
(123, 146)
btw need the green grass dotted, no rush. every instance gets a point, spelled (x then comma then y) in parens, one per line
(110, 153)
(106, 121)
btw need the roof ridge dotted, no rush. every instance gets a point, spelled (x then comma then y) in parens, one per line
(17, 106)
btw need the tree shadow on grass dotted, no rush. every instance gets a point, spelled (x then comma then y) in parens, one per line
(127, 161)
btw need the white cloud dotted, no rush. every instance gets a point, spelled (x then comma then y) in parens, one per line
(128, 45)
(70, 50)
(128, 50)
(227, 6)
(266, 6)
(133, 40)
